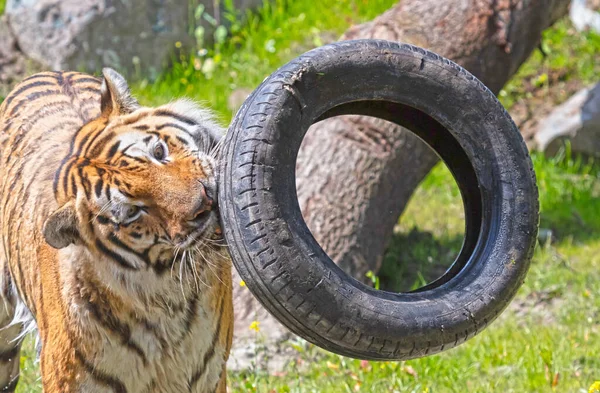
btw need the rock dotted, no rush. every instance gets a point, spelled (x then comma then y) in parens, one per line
(13, 64)
(577, 120)
(584, 16)
(134, 36)
(90, 34)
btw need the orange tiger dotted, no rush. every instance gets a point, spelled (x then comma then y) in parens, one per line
(110, 242)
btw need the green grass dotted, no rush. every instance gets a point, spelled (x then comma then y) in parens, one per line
(277, 33)
(547, 336)
(547, 340)
(570, 58)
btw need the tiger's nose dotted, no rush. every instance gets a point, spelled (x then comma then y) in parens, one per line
(178, 238)
(177, 232)
(205, 203)
(207, 194)
(207, 197)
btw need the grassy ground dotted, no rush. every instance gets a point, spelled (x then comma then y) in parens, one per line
(547, 341)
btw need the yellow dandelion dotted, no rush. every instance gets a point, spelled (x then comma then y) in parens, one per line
(178, 44)
(254, 326)
(595, 388)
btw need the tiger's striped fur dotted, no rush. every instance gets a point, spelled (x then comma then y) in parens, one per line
(109, 239)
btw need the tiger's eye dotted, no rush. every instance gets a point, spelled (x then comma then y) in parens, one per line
(159, 151)
(132, 210)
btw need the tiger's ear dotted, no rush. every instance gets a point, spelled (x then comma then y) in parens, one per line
(61, 228)
(116, 97)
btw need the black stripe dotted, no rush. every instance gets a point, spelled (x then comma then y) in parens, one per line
(98, 188)
(191, 313)
(101, 378)
(176, 116)
(66, 174)
(161, 266)
(8, 284)
(142, 161)
(141, 127)
(211, 351)
(113, 255)
(111, 323)
(113, 150)
(73, 183)
(67, 158)
(18, 138)
(23, 89)
(102, 219)
(107, 192)
(16, 180)
(117, 242)
(67, 86)
(85, 182)
(180, 139)
(60, 105)
(127, 148)
(42, 75)
(125, 193)
(151, 328)
(174, 125)
(32, 97)
(134, 119)
(83, 141)
(98, 131)
(90, 89)
(87, 79)
(97, 149)
(57, 175)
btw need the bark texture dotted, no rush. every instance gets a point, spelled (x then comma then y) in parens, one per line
(356, 174)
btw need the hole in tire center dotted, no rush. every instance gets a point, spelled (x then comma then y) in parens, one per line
(348, 204)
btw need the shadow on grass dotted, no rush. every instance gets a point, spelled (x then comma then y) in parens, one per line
(416, 258)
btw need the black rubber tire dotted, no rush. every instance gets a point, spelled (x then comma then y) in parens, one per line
(286, 269)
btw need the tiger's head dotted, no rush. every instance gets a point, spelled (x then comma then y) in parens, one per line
(138, 184)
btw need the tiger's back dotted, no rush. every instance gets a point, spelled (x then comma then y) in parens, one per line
(108, 322)
(38, 119)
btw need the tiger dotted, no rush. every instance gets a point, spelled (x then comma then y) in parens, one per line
(111, 247)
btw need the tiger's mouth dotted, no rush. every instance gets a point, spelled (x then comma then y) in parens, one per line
(206, 225)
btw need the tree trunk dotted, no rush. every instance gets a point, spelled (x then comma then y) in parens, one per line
(356, 174)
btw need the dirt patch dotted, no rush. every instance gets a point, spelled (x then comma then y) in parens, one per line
(538, 101)
(541, 306)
